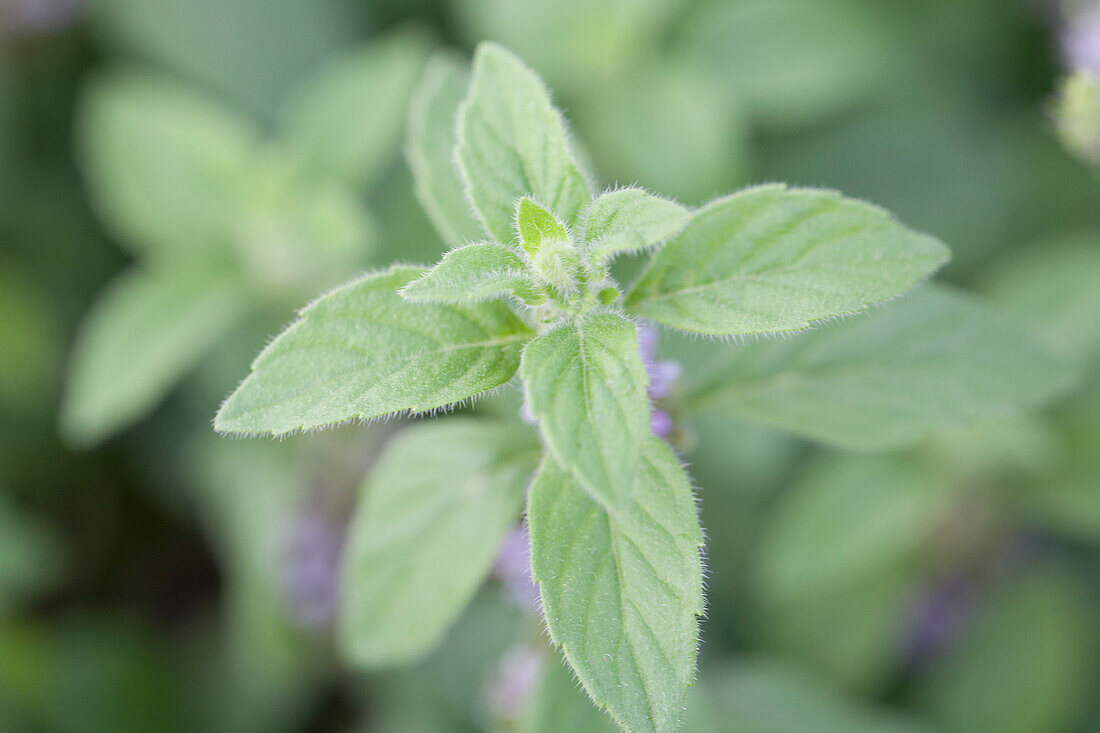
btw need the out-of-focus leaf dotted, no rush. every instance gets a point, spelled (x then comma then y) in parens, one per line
(251, 50)
(669, 129)
(429, 148)
(294, 235)
(511, 143)
(769, 259)
(362, 351)
(931, 361)
(30, 555)
(559, 704)
(579, 44)
(1053, 287)
(164, 165)
(434, 512)
(768, 696)
(148, 329)
(848, 520)
(622, 591)
(345, 121)
(31, 336)
(790, 61)
(1026, 666)
(586, 384)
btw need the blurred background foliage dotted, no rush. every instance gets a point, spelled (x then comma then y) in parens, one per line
(169, 196)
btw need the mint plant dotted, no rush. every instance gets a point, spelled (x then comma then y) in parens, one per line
(530, 291)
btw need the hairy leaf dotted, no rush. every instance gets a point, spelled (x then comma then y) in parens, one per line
(435, 509)
(362, 351)
(930, 361)
(345, 121)
(148, 329)
(429, 148)
(622, 591)
(628, 220)
(558, 704)
(771, 259)
(511, 143)
(586, 385)
(473, 272)
(537, 225)
(164, 166)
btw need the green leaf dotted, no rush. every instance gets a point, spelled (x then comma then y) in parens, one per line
(536, 226)
(763, 695)
(586, 385)
(31, 555)
(622, 591)
(362, 351)
(1026, 664)
(474, 272)
(511, 143)
(628, 220)
(848, 520)
(931, 361)
(147, 330)
(164, 166)
(771, 259)
(429, 149)
(345, 121)
(435, 509)
(1053, 287)
(558, 705)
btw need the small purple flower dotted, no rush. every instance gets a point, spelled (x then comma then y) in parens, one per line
(309, 562)
(938, 617)
(513, 569)
(663, 375)
(1081, 39)
(511, 687)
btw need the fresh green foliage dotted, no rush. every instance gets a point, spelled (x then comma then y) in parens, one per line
(622, 589)
(615, 539)
(513, 143)
(929, 361)
(586, 385)
(630, 220)
(434, 511)
(474, 272)
(362, 352)
(770, 259)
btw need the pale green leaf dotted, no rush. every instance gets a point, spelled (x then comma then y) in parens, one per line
(148, 329)
(586, 385)
(435, 509)
(848, 520)
(512, 142)
(559, 704)
(362, 351)
(473, 272)
(934, 360)
(763, 695)
(536, 225)
(622, 591)
(429, 149)
(770, 259)
(164, 166)
(1054, 289)
(346, 120)
(630, 219)
(1025, 665)
(31, 555)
